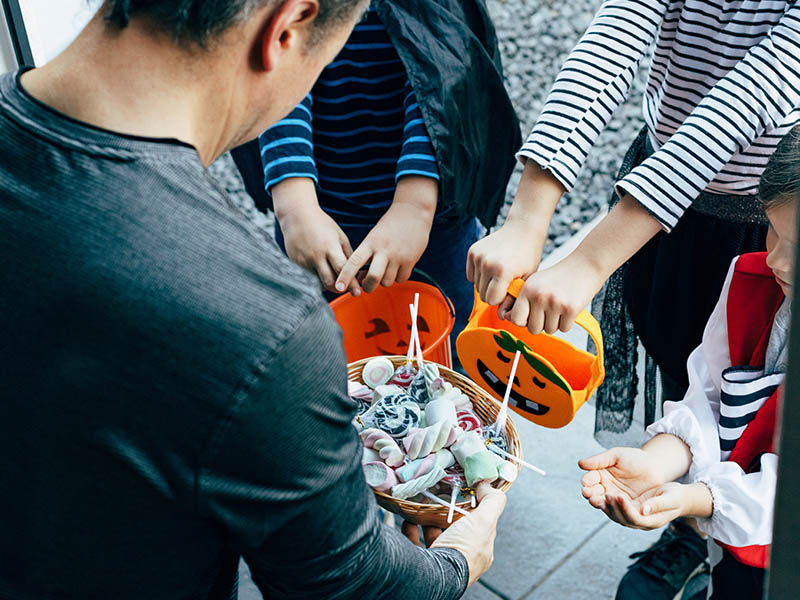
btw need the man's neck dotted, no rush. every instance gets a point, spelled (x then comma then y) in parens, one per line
(134, 83)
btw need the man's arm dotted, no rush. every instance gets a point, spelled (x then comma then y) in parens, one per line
(283, 478)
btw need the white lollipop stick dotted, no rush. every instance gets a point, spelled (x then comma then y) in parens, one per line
(472, 501)
(414, 312)
(501, 452)
(453, 496)
(500, 423)
(412, 339)
(438, 500)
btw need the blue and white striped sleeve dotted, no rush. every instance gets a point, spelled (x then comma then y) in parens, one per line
(287, 148)
(417, 156)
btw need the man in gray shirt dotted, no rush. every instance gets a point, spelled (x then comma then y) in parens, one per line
(173, 388)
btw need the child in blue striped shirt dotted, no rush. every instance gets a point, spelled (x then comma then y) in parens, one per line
(355, 181)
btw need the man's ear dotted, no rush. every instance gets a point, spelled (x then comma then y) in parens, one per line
(289, 27)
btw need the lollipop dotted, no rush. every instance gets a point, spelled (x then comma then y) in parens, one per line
(396, 414)
(404, 375)
(469, 421)
(418, 388)
(377, 371)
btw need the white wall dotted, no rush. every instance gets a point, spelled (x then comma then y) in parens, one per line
(8, 61)
(53, 24)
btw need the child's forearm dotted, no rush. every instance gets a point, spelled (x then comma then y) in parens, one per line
(294, 195)
(623, 231)
(536, 199)
(420, 192)
(672, 456)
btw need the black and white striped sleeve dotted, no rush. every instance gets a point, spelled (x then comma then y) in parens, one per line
(592, 84)
(755, 97)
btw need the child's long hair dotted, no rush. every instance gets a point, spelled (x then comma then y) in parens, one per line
(780, 181)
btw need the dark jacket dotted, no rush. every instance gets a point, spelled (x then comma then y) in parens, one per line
(450, 52)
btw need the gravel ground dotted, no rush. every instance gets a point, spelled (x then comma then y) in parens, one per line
(535, 38)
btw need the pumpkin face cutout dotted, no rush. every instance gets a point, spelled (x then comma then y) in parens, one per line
(553, 379)
(379, 323)
(381, 335)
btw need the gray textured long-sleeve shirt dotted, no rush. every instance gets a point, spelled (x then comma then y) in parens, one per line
(173, 389)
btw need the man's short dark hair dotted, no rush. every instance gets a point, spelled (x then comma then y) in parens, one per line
(199, 21)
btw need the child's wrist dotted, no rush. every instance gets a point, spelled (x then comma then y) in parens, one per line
(699, 501)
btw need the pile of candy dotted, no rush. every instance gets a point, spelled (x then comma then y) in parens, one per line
(421, 436)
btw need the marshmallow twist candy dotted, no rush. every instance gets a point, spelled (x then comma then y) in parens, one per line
(421, 466)
(396, 414)
(384, 445)
(379, 476)
(416, 486)
(421, 442)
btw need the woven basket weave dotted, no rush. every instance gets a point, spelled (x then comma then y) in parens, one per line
(485, 407)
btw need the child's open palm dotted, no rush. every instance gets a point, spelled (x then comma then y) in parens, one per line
(619, 472)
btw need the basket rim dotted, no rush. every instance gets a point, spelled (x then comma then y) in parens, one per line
(453, 377)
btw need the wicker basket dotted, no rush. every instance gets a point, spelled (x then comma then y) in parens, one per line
(486, 408)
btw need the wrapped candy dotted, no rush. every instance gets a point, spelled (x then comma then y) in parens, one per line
(377, 371)
(384, 445)
(469, 421)
(396, 414)
(495, 438)
(379, 476)
(416, 486)
(404, 375)
(418, 468)
(421, 442)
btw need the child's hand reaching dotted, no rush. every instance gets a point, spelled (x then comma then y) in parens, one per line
(398, 240)
(658, 506)
(313, 240)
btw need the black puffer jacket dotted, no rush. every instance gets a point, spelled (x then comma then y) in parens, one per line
(450, 52)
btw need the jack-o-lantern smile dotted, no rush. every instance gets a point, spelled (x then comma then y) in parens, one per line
(499, 387)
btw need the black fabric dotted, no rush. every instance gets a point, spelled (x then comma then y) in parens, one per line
(248, 160)
(450, 51)
(732, 580)
(663, 296)
(174, 390)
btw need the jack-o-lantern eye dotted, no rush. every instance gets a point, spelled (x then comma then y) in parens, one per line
(379, 326)
(538, 383)
(422, 325)
(503, 357)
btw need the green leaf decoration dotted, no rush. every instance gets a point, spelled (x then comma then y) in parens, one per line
(509, 343)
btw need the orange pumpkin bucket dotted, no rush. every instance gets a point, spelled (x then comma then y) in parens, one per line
(379, 323)
(555, 378)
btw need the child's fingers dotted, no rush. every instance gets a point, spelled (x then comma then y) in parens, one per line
(404, 272)
(325, 273)
(376, 270)
(598, 502)
(661, 502)
(604, 460)
(591, 478)
(354, 264)
(505, 306)
(593, 490)
(390, 274)
(338, 259)
(470, 266)
(496, 289)
(520, 312)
